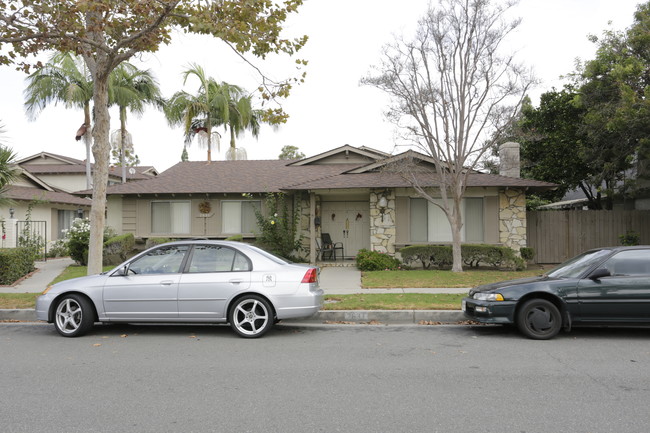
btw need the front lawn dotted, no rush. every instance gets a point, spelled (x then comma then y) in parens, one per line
(13, 301)
(438, 278)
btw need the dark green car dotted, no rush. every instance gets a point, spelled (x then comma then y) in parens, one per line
(605, 286)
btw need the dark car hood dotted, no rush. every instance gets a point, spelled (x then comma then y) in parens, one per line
(504, 284)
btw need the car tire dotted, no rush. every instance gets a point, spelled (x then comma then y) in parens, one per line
(539, 319)
(251, 316)
(73, 316)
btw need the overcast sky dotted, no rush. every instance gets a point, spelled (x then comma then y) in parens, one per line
(330, 109)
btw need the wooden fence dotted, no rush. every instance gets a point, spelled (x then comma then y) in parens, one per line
(559, 235)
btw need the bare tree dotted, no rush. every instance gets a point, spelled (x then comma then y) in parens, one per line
(452, 93)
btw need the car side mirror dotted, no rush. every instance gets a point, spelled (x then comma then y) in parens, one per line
(599, 273)
(122, 271)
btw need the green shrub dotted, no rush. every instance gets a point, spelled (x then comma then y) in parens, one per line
(376, 261)
(429, 255)
(78, 238)
(118, 248)
(527, 253)
(278, 231)
(236, 238)
(58, 248)
(473, 255)
(15, 263)
(630, 238)
(152, 242)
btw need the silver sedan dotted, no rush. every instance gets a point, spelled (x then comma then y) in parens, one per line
(187, 281)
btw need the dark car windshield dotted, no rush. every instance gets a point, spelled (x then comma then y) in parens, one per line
(576, 266)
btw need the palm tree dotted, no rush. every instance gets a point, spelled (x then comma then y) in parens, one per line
(241, 117)
(200, 112)
(130, 89)
(8, 170)
(64, 78)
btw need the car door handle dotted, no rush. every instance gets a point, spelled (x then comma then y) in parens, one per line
(167, 282)
(236, 281)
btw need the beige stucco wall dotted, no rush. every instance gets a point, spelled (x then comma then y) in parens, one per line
(65, 182)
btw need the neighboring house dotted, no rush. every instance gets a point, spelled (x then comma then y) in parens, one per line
(354, 194)
(46, 181)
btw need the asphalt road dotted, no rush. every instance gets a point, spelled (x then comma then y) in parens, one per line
(310, 379)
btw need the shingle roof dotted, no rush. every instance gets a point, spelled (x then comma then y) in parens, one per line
(275, 175)
(37, 169)
(29, 194)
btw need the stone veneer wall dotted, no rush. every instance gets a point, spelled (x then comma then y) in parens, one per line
(304, 221)
(382, 232)
(512, 218)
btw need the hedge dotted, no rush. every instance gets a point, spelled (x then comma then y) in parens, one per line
(374, 261)
(15, 263)
(472, 255)
(117, 249)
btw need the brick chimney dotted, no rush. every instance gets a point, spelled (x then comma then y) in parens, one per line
(509, 164)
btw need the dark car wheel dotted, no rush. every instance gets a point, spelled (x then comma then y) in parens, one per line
(251, 316)
(539, 319)
(74, 316)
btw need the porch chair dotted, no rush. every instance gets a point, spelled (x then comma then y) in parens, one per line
(331, 246)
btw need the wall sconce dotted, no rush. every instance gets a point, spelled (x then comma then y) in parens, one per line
(11, 212)
(382, 204)
(80, 213)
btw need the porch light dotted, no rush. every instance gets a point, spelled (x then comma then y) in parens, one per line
(11, 212)
(80, 213)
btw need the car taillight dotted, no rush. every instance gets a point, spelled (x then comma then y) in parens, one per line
(310, 276)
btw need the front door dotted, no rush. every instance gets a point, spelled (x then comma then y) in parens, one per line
(347, 222)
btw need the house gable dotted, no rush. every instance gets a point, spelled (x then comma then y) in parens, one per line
(343, 155)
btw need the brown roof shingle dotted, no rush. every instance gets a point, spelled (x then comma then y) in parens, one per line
(275, 175)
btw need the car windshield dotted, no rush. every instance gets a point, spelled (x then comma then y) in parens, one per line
(576, 266)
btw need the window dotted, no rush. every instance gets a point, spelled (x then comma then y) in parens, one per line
(629, 263)
(165, 260)
(212, 258)
(429, 223)
(170, 217)
(65, 219)
(239, 216)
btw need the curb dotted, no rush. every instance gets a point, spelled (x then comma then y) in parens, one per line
(335, 316)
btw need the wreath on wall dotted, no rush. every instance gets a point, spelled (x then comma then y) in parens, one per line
(205, 207)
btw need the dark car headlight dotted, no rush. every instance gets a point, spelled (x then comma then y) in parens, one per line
(486, 296)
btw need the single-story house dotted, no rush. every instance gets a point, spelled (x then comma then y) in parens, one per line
(46, 183)
(354, 194)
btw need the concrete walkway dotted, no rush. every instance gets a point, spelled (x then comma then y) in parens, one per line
(39, 279)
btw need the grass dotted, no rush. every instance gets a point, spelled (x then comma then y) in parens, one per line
(75, 271)
(394, 301)
(12, 301)
(437, 278)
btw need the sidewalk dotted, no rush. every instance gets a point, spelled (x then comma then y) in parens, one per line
(39, 279)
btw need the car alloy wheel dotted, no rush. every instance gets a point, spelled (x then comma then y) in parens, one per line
(251, 316)
(539, 319)
(74, 316)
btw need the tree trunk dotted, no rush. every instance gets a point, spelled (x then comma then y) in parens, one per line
(122, 140)
(455, 220)
(88, 142)
(101, 152)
